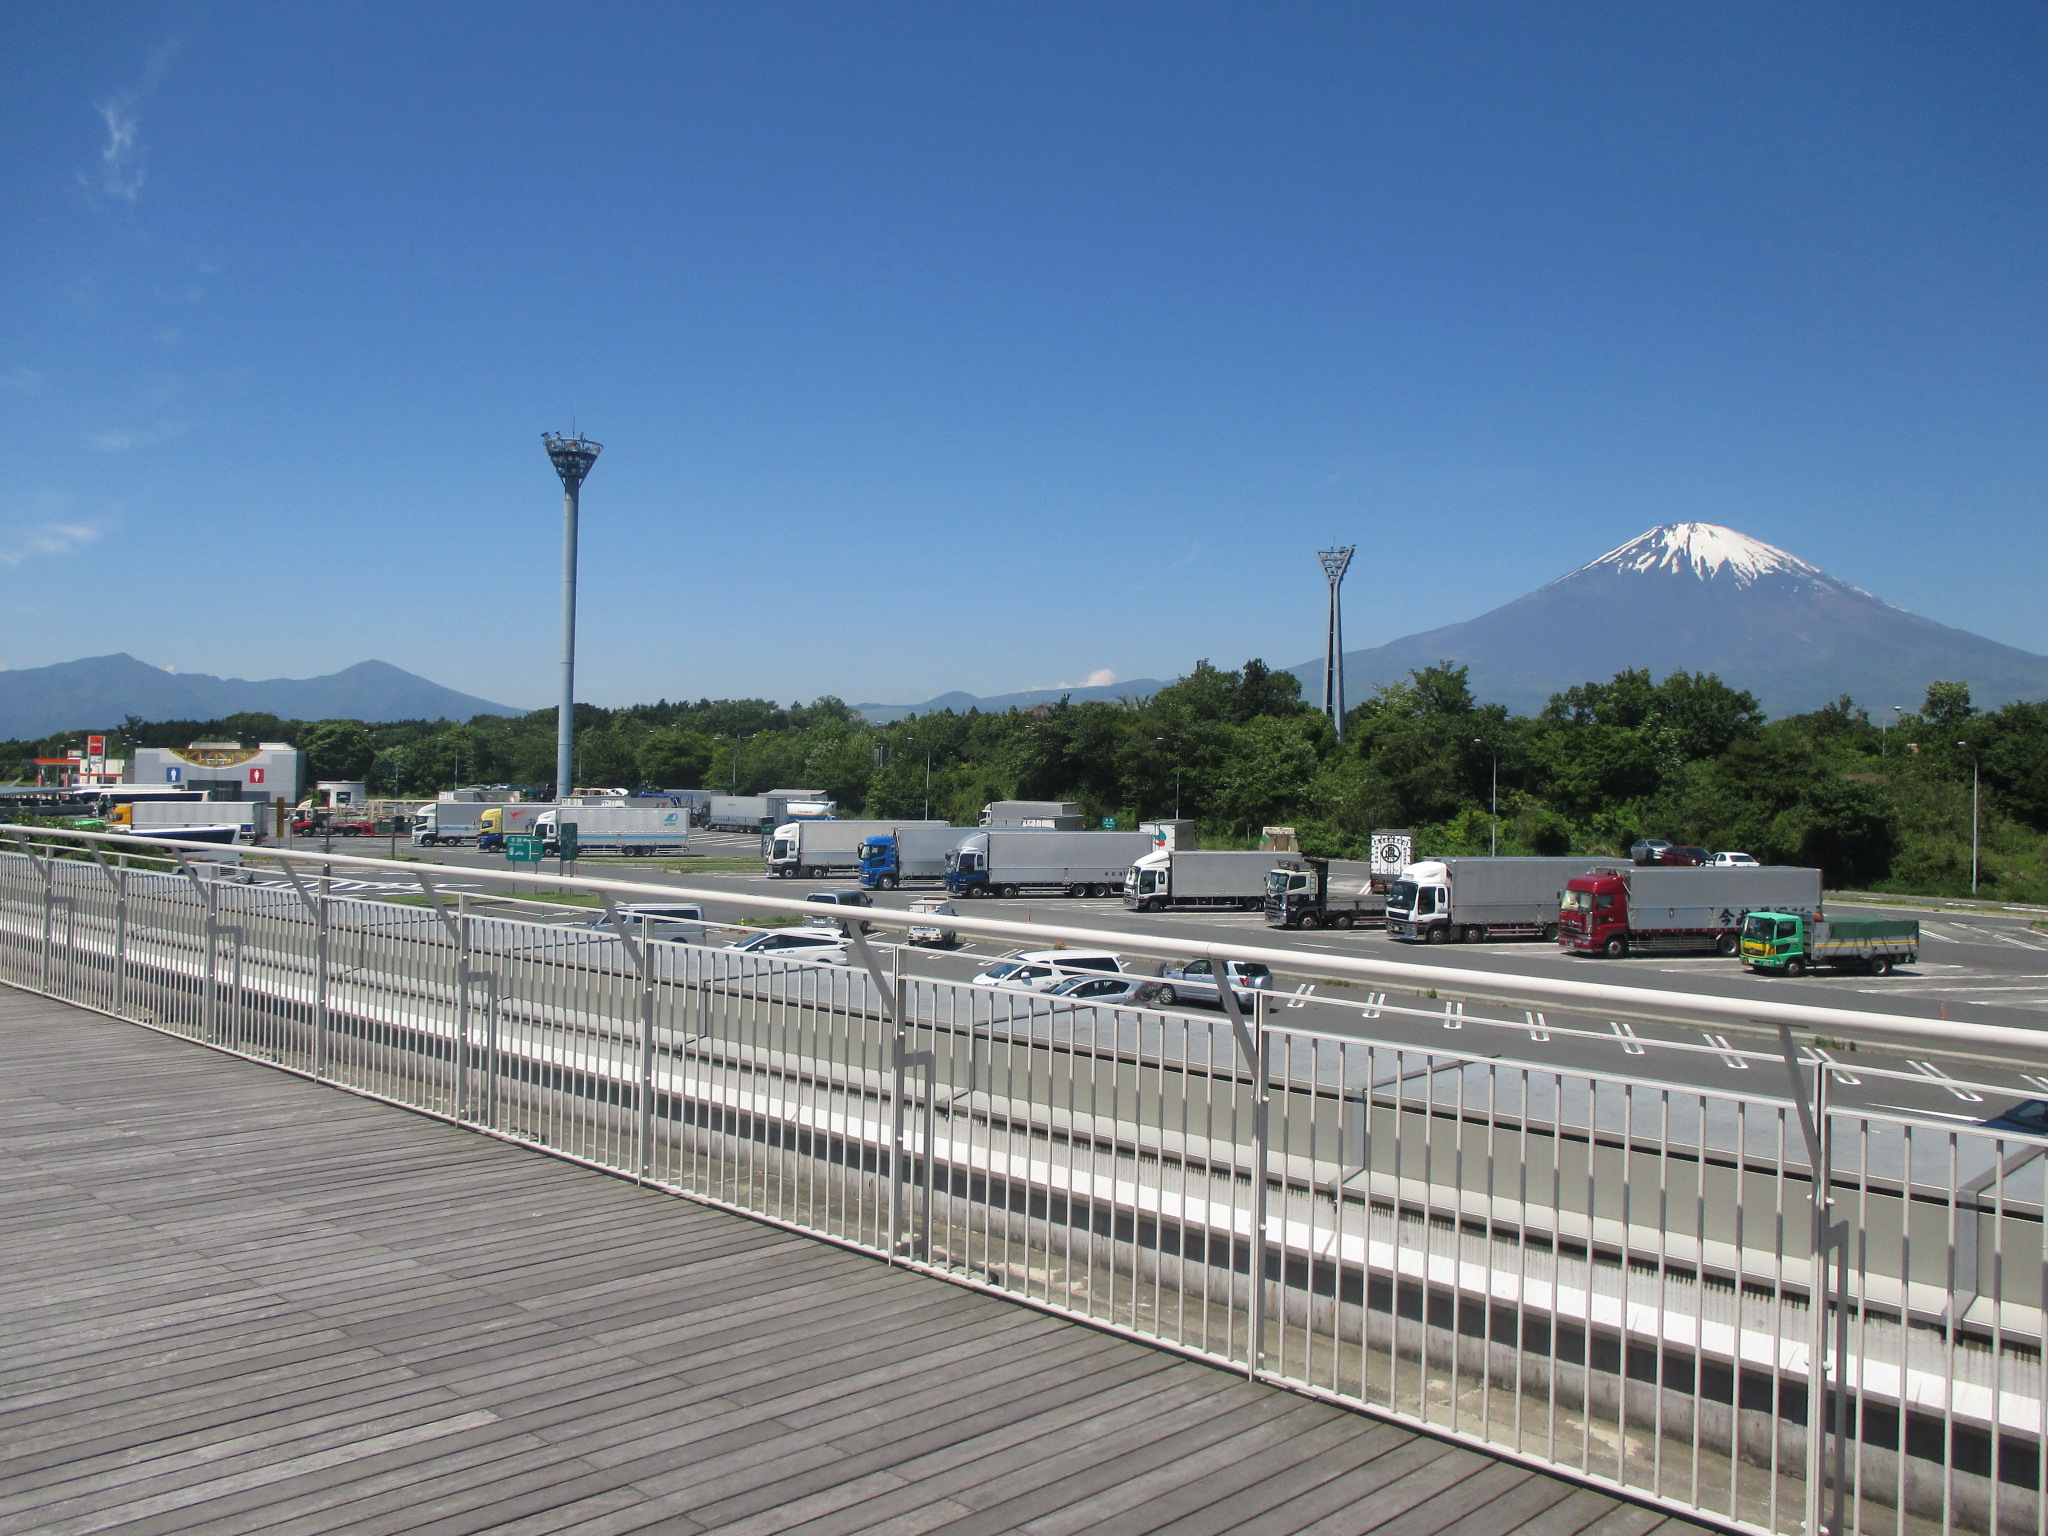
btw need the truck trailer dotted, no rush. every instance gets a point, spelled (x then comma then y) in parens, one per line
(448, 823)
(909, 855)
(1014, 861)
(1788, 943)
(636, 831)
(764, 813)
(163, 815)
(1620, 909)
(1053, 815)
(817, 849)
(1167, 879)
(497, 820)
(1440, 901)
(1323, 893)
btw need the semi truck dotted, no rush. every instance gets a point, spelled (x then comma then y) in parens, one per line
(816, 849)
(635, 831)
(1788, 943)
(163, 816)
(1015, 861)
(1168, 878)
(498, 820)
(763, 813)
(1323, 893)
(912, 853)
(1621, 909)
(1055, 815)
(1441, 901)
(446, 823)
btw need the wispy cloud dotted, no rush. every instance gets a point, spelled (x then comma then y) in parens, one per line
(121, 169)
(21, 381)
(19, 544)
(126, 440)
(1101, 677)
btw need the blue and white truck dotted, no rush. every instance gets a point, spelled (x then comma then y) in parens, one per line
(1019, 861)
(817, 850)
(909, 855)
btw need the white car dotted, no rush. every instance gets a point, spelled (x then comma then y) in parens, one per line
(932, 934)
(682, 923)
(814, 945)
(1034, 970)
(1734, 861)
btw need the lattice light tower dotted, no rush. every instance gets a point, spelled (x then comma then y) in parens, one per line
(572, 457)
(1335, 563)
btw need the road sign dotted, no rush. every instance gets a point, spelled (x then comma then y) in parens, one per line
(1109, 823)
(565, 840)
(522, 849)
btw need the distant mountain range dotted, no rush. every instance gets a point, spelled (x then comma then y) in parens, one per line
(1692, 597)
(101, 691)
(960, 703)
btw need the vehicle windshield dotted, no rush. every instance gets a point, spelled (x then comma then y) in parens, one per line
(1577, 901)
(1005, 969)
(872, 849)
(1088, 962)
(782, 848)
(1401, 896)
(1250, 972)
(1759, 929)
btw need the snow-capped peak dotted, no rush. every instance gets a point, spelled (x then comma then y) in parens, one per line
(1706, 550)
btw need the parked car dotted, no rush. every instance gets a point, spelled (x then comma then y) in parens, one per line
(838, 899)
(932, 934)
(1683, 853)
(2029, 1117)
(1644, 850)
(1036, 970)
(1106, 991)
(795, 944)
(680, 923)
(1194, 981)
(1734, 861)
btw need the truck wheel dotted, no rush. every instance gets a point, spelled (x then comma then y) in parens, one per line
(1547, 933)
(1796, 966)
(1309, 920)
(1342, 920)
(1008, 892)
(1438, 933)
(1253, 905)
(1881, 965)
(890, 882)
(1615, 948)
(1476, 934)
(1725, 945)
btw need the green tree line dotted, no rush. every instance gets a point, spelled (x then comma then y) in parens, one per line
(1689, 758)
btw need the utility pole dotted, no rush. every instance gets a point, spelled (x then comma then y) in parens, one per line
(1493, 849)
(1335, 563)
(572, 458)
(1975, 782)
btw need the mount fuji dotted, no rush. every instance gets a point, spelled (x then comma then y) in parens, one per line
(1702, 598)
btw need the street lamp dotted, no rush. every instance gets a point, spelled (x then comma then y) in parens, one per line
(1493, 845)
(1884, 744)
(1176, 779)
(1975, 783)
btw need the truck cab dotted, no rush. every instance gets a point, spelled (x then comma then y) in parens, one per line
(967, 871)
(879, 866)
(1148, 884)
(1293, 898)
(1593, 917)
(1419, 904)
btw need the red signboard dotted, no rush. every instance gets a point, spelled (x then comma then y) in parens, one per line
(255, 775)
(95, 746)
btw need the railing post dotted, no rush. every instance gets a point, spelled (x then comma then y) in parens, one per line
(210, 995)
(1252, 1047)
(1814, 1127)
(643, 1093)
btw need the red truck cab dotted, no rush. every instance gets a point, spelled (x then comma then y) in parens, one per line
(1593, 917)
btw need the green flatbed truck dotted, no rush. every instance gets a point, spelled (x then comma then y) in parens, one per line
(1790, 943)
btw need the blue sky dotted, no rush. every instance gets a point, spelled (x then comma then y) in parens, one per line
(993, 346)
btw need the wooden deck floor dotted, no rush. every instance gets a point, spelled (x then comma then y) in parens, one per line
(237, 1301)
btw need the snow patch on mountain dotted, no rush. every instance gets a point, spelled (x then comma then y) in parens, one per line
(1707, 550)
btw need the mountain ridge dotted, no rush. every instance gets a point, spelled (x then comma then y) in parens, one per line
(95, 692)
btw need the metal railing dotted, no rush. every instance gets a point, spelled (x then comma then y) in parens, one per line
(1685, 1246)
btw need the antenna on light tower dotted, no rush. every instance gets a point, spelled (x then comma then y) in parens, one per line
(1335, 563)
(572, 458)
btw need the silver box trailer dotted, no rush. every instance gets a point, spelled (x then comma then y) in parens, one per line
(816, 849)
(1057, 815)
(633, 830)
(1011, 861)
(249, 815)
(1168, 878)
(1438, 901)
(1678, 906)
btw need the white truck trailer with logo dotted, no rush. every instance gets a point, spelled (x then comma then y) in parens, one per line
(1017, 861)
(1168, 878)
(449, 823)
(815, 850)
(1053, 815)
(762, 813)
(635, 831)
(163, 815)
(1470, 900)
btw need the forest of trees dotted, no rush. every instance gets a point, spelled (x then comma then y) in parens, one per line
(1688, 758)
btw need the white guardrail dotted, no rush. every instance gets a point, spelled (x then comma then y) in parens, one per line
(1663, 1242)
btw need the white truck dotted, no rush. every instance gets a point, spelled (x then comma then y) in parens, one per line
(446, 823)
(815, 850)
(1167, 879)
(635, 831)
(761, 813)
(1440, 901)
(1054, 815)
(249, 816)
(1015, 861)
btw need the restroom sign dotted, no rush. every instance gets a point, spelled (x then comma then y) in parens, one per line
(255, 775)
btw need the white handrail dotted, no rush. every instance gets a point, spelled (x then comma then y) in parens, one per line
(1954, 1035)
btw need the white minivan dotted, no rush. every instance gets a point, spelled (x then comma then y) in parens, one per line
(1034, 970)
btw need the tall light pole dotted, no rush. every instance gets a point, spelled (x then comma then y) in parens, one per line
(1493, 847)
(1884, 745)
(572, 458)
(1975, 781)
(1335, 563)
(1161, 740)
